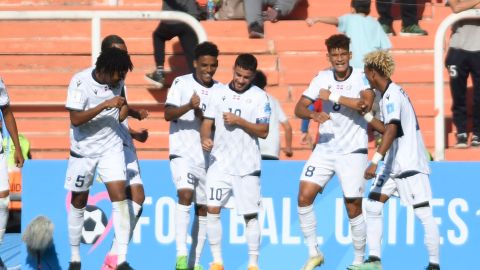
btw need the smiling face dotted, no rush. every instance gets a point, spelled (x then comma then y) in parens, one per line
(242, 78)
(205, 68)
(339, 59)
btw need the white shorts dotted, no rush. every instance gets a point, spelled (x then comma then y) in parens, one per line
(133, 169)
(349, 168)
(245, 190)
(81, 170)
(4, 185)
(187, 176)
(412, 190)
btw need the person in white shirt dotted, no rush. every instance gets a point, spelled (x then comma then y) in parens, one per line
(11, 126)
(134, 185)
(270, 147)
(341, 149)
(96, 109)
(240, 113)
(405, 171)
(186, 102)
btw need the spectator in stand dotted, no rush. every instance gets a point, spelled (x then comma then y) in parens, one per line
(255, 16)
(365, 32)
(270, 146)
(166, 30)
(408, 10)
(463, 58)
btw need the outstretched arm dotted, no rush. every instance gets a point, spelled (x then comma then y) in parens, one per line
(12, 130)
(322, 19)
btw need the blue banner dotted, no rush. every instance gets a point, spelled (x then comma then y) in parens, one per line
(455, 206)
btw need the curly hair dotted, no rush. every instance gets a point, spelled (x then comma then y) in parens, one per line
(380, 61)
(206, 48)
(338, 41)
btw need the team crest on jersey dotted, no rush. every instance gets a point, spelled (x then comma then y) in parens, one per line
(390, 108)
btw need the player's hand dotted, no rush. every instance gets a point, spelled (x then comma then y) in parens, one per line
(207, 144)
(115, 102)
(370, 172)
(323, 94)
(230, 118)
(140, 135)
(142, 114)
(288, 151)
(368, 97)
(19, 160)
(310, 21)
(194, 101)
(320, 117)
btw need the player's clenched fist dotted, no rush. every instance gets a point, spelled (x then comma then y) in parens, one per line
(207, 144)
(115, 102)
(195, 101)
(320, 117)
(370, 172)
(230, 118)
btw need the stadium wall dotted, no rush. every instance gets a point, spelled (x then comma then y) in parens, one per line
(456, 207)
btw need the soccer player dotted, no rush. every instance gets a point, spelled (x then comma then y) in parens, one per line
(240, 113)
(186, 101)
(405, 170)
(134, 185)
(342, 146)
(96, 109)
(11, 126)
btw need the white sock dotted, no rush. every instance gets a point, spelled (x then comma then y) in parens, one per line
(75, 226)
(432, 237)
(359, 238)
(253, 240)
(4, 202)
(182, 219)
(308, 224)
(134, 209)
(121, 225)
(214, 233)
(199, 235)
(374, 211)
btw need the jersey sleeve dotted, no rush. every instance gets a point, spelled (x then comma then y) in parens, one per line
(282, 117)
(4, 100)
(392, 107)
(313, 89)
(263, 110)
(174, 94)
(76, 96)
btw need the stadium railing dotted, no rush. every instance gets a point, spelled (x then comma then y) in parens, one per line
(438, 77)
(97, 16)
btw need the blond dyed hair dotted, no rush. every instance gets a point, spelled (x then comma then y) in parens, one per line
(381, 61)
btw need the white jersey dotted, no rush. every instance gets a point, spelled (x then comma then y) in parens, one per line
(236, 151)
(99, 135)
(123, 130)
(4, 101)
(184, 136)
(346, 131)
(270, 146)
(407, 152)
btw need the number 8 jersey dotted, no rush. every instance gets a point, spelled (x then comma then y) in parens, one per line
(234, 150)
(346, 131)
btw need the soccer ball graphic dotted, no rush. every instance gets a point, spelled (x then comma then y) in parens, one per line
(95, 223)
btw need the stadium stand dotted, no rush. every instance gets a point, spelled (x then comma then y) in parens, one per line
(37, 59)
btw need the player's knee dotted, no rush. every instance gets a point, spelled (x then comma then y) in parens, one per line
(305, 199)
(373, 208)
(4, 202)
(185, 196)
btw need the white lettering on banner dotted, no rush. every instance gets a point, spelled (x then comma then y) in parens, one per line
(339, 224)
(165, 204)
(457, 233)
(462, 236)
(287, 238)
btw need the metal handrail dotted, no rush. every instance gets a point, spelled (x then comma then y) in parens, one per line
(438, 77)
(96, 16)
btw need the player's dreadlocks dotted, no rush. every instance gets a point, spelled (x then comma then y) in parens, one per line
(246, 61)
(112, 60)
(380, 61)
(339, 41)
(109, 40)
(206, 48)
